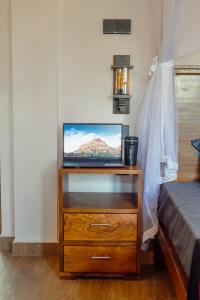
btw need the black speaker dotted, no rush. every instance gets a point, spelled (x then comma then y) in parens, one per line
(131, 147)
(116, 26)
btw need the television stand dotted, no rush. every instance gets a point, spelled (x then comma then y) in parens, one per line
(99, 233)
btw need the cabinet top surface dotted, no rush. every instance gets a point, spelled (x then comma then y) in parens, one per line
(129, 170)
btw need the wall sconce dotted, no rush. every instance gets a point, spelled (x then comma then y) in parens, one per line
(121, 84)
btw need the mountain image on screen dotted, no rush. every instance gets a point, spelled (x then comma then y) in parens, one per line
(92, 141)
(96, 147)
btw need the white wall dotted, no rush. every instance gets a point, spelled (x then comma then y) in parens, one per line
(6, 163)
(34, 45)
(61, 73)
(86, 56)
(85, 59)
(193, 59)
(77, 80)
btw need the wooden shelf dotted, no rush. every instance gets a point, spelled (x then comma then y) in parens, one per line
(127, 170)
(100, 202)
(122, 66)
(116, 96)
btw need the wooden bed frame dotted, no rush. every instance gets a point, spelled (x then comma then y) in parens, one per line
(178, 276)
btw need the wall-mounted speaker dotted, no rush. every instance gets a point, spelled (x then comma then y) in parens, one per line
(117, 26)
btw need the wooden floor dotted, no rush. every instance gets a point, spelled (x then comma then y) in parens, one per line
(32, 278)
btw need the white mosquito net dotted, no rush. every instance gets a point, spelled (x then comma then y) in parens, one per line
(177, 29)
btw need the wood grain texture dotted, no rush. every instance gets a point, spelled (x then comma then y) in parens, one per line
(98, 275)
(77, 210)
(34, 249)
(36, 278)
(99, 259)
(127, 170)
(100, 227)
(60, 220)
(100, 202)
(189, 124)
(174, 266)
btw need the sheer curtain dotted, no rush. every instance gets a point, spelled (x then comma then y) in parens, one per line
(177, 29)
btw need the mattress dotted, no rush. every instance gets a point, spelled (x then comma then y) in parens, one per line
(179, 212)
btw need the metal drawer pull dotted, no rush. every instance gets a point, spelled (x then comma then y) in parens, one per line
(100, 224)
(100, 257)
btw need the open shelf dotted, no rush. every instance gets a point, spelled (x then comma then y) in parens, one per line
(100, 202)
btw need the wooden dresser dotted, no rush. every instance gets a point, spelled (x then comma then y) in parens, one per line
(99, 233)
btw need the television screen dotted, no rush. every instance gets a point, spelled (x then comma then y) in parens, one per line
(92, 140)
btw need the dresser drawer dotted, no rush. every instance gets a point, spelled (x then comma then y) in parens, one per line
(99, 259)
(99, 227)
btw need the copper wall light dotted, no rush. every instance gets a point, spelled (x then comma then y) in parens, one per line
(121, 84)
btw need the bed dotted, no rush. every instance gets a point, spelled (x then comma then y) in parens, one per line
(179, 236)
(181, 261)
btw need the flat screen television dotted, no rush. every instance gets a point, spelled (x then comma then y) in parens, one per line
(85, 141)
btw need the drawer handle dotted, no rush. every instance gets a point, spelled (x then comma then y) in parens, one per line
(100, 224)
(100, 257)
